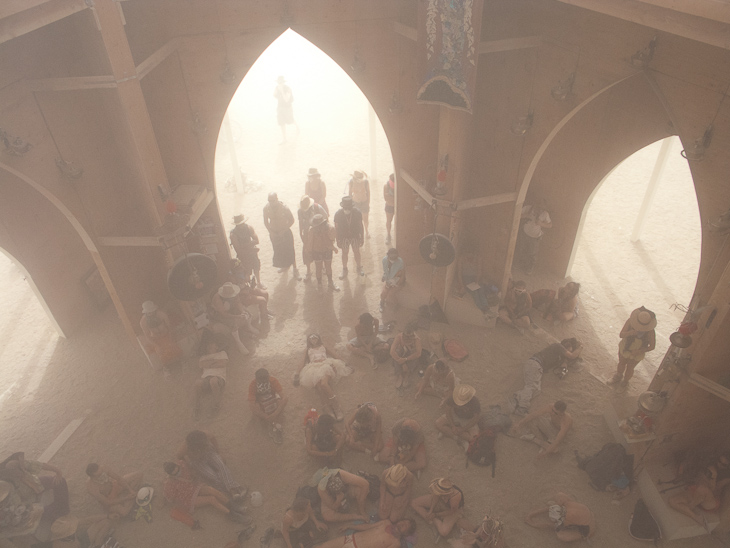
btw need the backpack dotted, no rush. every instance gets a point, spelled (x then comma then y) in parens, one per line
(374, 481)
(609, 464)
(455, 350)
(381, 351)
(642, 525)
(481, 449)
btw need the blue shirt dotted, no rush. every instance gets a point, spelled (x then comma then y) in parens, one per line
(390, 270)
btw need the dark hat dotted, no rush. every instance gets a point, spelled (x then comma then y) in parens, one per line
(347, 202)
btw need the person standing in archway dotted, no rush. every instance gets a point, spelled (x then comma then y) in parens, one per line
(307, 210)
(278, 220)
(359, 189)
(389, 197)
(349, 229)
(245, 243)
(535, 220)
(637, 338)
(316, 189)
(284, 107)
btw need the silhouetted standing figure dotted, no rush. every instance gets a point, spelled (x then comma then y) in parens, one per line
(284, 107)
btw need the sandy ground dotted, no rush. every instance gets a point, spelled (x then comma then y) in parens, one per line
(137, 420)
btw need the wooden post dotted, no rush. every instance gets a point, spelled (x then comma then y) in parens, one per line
(372, 125)
(656, 175)
(232, 151)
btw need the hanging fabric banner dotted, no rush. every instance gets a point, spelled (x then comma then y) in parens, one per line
(449, 34)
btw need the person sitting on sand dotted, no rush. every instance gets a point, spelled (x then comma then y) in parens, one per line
(443, 507)
(394, 277)
(320, 370)
(200, 451)
(229, 315)
(438, 380)
(300, 527)
(459, 422)
(396, 485)
(405, 446)
(381, 534)
(323, 438)
(366, 338)
(267, 401)
(698, 495)
(180, 489)
(570, 520)
(255, 296)
(334, 486)
(515, 308)
(213, 362)
(115, 493)
(405, 351)
(557, 306)
(365, 429)
(549, 425)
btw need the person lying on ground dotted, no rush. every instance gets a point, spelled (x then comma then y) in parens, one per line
(443, 507)
(366, 337)
(214, 363)
(459, 422)
(405, 446)
(515, 308)
(200, 451)
(699, 494)
(438, 380)
(180, 489)
(554, 357)
(406, 352)
(365, 429)
(115, 493)
(396, 486)
(570, 520)
(320, 370)
(381, 534)
(335, 487)
(266, 400)
(300, 527)
(548, 427)
(323, 439)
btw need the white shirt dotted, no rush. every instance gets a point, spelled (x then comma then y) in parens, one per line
(531, 227)
(215, 365)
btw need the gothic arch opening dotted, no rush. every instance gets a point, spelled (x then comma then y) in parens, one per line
(639, 243)
(335, 130)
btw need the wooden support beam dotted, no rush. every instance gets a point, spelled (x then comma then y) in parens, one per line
(72, 83)
(422, 192)
(486, 201)
(39, 15)
(146, 66)
(717, 10)
(129, 241)
(510, 44)
(714, 33)
(491, 46)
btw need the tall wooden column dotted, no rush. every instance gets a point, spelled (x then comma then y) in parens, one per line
(147, 155)
(455, 137)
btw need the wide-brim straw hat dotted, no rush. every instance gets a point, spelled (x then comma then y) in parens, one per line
(357, 175)
(318, 219)
(238, 219)
(63, 527)
(313, 172)
(396, 475)
(305, 203)
(144, 496)
(441, 486)
(280, 80)
(463, 394)
(228, 290)
(642, 319)
(148, 307)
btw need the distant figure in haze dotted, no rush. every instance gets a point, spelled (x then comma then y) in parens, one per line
(389, 197)
(284, 108)
(316, 189)
(359, 189)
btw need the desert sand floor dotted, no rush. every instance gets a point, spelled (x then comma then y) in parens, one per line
(135, 420)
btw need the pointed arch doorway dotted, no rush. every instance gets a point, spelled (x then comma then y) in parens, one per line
(336, 132)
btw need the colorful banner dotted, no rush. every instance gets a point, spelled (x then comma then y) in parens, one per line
(449, 36)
